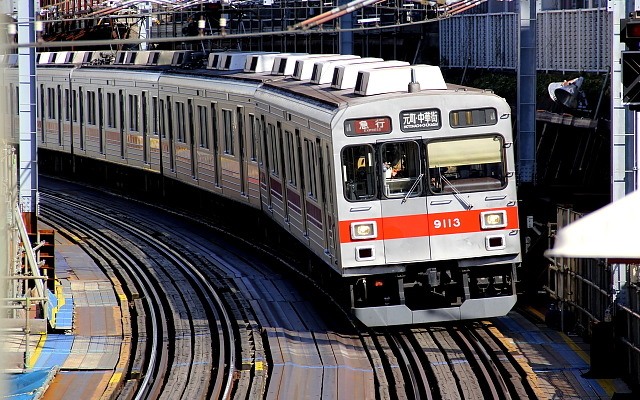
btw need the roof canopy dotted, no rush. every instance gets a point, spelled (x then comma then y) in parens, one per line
(611, 232)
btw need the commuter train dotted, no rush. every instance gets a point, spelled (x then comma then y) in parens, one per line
(402, 184)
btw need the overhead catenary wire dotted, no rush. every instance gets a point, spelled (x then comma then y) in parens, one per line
(449, 10)
(337, 12)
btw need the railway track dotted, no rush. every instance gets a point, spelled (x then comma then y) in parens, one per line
(278, 339)
(168, 287)
(465, 361)
(219, 319)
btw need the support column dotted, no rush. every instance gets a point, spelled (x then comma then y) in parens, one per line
(28, 155)
(527, 93)
(346, 37)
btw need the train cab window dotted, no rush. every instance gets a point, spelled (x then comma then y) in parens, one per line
(401, 173)
(358, 173)
(466, 165)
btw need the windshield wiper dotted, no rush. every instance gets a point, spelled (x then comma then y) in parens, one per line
(456, 192)
(412, 188)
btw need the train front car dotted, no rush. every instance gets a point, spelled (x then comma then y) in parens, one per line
(428, 216)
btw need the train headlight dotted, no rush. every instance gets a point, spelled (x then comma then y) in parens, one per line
(364, 230)
(493, 219)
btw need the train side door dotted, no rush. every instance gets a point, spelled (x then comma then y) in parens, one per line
(265, 167)
(145, 127)
(327, 196)
(315, 213)
(303, 203)
(123, 135)
(74, 120)
(404, 208)
(101, 135)
(252, 157)
(277, 179)
(59, 106)
(215, 136)
(291, 176)
(193, 145)
(40, 127)
(241, 151)
(169, 131)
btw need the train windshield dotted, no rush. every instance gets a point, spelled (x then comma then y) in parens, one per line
(358, 173)
(401, 169)
(454, 166)
(466, 165)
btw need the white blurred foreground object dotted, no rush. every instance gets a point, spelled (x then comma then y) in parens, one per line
(610, 232)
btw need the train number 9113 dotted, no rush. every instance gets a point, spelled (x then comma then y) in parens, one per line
(447, 223)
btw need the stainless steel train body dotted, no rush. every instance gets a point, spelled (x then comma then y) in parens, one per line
(410, 197)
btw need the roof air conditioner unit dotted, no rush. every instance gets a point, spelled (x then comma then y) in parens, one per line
(304, 66)
(396, 79)
(285, 64)
(260, 62)
(344, 76)
(323, 71)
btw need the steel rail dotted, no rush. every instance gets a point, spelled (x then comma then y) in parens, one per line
(223, 383)
(411, 356)
(494, 380)
(150, 296)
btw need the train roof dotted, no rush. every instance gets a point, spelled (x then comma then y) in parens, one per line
(321, 93)
(324, 93)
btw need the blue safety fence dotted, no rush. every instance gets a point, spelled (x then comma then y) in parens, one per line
(60, 309)
(29, 385)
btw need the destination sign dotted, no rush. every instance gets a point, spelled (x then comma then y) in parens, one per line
(420, 120)
(368, 126)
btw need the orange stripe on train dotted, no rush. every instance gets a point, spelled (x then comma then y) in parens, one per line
(447, 223)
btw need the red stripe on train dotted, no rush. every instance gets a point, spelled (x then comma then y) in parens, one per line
(447, 223)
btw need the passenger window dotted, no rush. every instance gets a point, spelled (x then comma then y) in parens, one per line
(204, 126)
(312, 178)
(180, 122)
(227, 129)
(290, 164)
(358, 173)
(466, 165)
